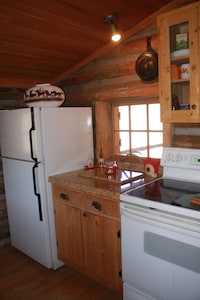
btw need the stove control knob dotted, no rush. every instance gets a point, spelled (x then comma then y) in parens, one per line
(169, 157)
(178, 157)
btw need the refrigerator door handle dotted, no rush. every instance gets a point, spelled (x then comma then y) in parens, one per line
(30, 135)
(36, 193)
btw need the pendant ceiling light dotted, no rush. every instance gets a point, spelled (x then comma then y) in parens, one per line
(111, 20)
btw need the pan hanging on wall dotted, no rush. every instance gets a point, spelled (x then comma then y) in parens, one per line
(147, 64)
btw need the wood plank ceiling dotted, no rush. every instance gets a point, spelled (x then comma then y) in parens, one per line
(45, 41)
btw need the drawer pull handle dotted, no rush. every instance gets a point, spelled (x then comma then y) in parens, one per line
(64, 196)
(97, 205)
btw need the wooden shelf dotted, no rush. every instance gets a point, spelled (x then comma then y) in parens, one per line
(182, 81)
(180, 59)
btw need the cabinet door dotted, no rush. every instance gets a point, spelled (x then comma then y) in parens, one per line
(69, 235)
(179, 65)
(102, 249)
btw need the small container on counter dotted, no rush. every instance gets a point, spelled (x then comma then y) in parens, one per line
(101, 162)
(110, 167)
(90, 163)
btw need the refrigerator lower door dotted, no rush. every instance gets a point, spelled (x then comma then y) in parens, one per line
(28, 233)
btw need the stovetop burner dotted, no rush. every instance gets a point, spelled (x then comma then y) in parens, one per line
(169, 191)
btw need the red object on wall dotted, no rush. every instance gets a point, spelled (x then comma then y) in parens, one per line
(148, 162)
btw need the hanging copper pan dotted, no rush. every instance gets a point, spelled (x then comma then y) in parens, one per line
(147, 64)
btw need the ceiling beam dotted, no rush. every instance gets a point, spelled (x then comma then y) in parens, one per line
(17, 82)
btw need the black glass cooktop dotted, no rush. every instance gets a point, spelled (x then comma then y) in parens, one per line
(169, 191)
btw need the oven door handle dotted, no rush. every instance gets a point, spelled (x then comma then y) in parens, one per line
(140, 214)
(161, 219)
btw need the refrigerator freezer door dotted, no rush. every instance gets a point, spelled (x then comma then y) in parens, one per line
(15, 134)
(28, 233)
(62, 137)
(67, 138)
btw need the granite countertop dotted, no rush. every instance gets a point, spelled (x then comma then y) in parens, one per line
(85, 183)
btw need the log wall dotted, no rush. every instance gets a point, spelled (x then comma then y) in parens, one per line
(113, 78)
(11, 98)
(110, 78)
(186, 135)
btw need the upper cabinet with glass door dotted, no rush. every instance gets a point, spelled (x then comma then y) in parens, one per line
(179, 67)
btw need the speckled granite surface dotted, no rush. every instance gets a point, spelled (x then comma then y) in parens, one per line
(109, 189)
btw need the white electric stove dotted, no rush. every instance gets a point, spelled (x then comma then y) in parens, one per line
(161, 232)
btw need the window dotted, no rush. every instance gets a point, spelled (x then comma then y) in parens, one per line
(138, 130)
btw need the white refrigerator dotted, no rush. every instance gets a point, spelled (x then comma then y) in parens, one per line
(36, 143)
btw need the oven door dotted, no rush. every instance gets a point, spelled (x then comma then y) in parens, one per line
(160, 255)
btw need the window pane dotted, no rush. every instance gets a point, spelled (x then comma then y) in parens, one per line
(139, 117)
(155, 144)
(154, 117)
(124, 118)
(155, 138)
(125, 142)
(139, 143)
(139, 124)
(156, 152)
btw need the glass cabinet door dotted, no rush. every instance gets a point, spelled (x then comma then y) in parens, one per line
(179, 65)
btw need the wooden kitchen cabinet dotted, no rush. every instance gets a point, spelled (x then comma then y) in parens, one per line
(68, 227)
(101, 240)
(88, 234)
(178, 33)
(102, 248)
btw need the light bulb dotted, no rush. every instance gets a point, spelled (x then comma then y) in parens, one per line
(111, 20)
(116, 37)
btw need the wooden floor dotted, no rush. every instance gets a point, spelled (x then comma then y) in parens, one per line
(21, 278)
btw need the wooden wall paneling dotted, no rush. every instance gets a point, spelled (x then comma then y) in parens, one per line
(186, 141)
(114, 63)
(168, 131)
(113, 76)
(116, 138)
(103, 129)
(186, 135)
(106, 90)
(148, 91)
(11, 98)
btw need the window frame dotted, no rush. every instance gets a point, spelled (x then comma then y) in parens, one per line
(115, 122)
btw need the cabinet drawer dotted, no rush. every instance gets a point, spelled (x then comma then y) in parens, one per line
(102, 206)
(67, 196)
